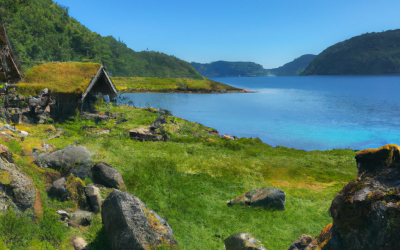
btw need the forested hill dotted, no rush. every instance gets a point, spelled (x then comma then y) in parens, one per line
(367, 54)
(229, 69)
(43, 31)
(294, 67)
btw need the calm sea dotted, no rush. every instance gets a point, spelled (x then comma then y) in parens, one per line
(310, 112)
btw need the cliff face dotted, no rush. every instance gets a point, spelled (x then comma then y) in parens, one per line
(367, 54)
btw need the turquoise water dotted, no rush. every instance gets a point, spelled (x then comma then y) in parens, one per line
(310, 113)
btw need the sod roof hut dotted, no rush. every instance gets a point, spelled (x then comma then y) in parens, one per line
(70, 84)
(9, 72)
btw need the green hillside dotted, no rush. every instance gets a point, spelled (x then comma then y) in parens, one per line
(367, 54)
(294, 67)
(229, 69)
(43, 31)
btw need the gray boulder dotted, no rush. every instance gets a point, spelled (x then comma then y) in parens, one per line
(65, 159)
(16, 185)
(81, 217)
(242, 241)
(93, 197)
(58, 189)
(82, 170)
(130, 224)
(269, 198)
(108, 176)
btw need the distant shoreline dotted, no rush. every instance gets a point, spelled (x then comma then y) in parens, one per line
(170, 91)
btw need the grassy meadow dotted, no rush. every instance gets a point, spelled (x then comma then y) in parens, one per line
(154, 84)
(187, 180)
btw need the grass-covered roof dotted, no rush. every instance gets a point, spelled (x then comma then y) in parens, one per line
(61, 77)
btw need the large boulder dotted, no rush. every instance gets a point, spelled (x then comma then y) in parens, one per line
(305, 242)
(269, 198)
(93, 197)
(130, 224)
(16, 185)
(108, 176)
(366, 212)
(64, 160)
(242, 241)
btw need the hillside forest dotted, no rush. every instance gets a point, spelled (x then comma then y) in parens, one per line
(43, 31)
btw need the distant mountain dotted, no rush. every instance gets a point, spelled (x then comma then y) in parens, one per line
(229, 69)
(294, 67)
(367, 54)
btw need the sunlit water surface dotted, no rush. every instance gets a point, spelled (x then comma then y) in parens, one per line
(311, 113)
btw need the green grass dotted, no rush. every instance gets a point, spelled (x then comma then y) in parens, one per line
(153, 84)
(188, 179)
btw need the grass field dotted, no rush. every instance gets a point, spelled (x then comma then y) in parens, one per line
(187, 180)
(152, 84)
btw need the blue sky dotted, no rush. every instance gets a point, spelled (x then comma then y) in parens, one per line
(268, 32)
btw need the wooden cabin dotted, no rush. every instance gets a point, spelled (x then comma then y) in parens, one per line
(73, 85)
(9, 72)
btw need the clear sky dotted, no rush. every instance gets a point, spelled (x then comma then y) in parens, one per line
(268, 32)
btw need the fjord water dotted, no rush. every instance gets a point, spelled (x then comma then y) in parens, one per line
(310, 112)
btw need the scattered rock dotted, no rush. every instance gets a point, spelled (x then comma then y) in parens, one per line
(158, 123)
(63, 213)
(83, 218)
(269, 198)
(79, 243)
(6, 154)
(108, 176)
(11, 128)
(64, 159)
(305, 242)
(16, 184)
(104, 132)
(58, 189)
(143, 134)
(48, 147)
(93, 198)
(26, 152)
(130, 224)
(242, 241)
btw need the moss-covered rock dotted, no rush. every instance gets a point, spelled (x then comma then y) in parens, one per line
(76, 190)
(366, 212)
